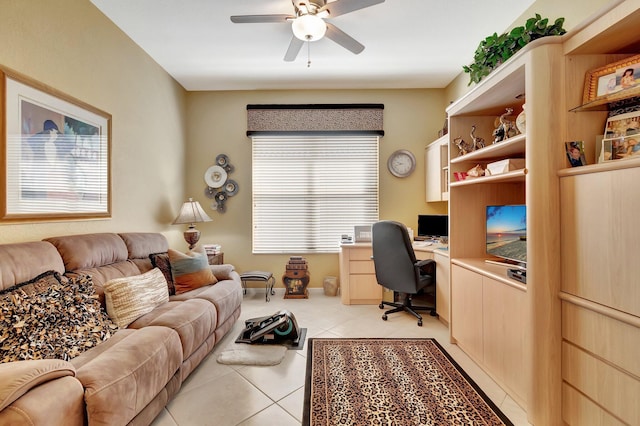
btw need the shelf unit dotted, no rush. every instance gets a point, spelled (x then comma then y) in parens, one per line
(437, 170)
(511, 330)
(599, 291)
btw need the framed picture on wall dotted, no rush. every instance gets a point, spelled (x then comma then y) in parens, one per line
(56, 150)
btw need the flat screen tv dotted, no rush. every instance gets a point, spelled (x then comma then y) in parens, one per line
(433, 226)
(507, 233)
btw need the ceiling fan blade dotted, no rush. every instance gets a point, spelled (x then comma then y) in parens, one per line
(257, 19)
(340, 7)
(343, 39)
(294, 49)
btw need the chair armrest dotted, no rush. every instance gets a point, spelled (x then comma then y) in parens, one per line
(17, 378)
(426, 266)
(422, 263)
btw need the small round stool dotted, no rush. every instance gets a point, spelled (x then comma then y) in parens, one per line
(266, 277)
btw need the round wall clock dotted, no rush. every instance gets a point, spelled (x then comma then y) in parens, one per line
(401, 163)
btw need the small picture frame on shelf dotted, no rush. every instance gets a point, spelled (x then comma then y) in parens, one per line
(607, 81)
(575, 153)
(622, 137)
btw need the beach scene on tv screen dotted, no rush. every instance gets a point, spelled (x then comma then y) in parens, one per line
(507, 232)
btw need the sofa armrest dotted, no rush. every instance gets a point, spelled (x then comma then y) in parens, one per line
(17, 378)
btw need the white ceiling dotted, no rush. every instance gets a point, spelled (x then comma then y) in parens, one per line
(408, 43)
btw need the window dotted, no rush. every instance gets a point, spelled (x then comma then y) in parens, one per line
(309, 190)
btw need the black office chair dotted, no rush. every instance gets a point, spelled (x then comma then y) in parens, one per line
(397, 268)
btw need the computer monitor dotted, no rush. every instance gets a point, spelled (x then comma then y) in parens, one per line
(433, 226)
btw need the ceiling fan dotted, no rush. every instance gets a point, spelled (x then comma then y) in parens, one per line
(308, 23)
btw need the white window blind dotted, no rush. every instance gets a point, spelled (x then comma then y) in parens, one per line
(309, 190)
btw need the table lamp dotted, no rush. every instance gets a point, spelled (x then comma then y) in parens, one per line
(191, 212)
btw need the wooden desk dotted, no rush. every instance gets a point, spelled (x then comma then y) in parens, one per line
(358, 284)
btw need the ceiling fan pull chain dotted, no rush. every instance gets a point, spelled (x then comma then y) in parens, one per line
(308, 52)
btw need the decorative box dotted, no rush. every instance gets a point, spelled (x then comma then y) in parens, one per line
(504, 166)
(296, 278)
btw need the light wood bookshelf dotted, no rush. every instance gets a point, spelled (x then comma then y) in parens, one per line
(511, 330)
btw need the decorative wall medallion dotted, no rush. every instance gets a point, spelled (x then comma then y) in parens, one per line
(219, 187)
(215, 176)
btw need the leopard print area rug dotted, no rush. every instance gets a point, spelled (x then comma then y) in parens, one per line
(391, 382)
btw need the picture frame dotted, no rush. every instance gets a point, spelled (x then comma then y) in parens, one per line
(575, 153)
(614, 81)
(55, 154)
(622, 137)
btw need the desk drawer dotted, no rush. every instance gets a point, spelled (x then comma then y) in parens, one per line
(361, 254)
(361, 267)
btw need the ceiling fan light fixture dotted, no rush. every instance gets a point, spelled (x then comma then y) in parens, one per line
(309, 27)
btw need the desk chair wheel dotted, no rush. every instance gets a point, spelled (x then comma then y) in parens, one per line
(419, 323)
(381, 305)
(384, 317)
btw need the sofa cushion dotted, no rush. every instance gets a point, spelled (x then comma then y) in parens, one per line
(129, 298)
(47, 318)
(226, 296)
(124, 374)
(194, 320)
(141, 244)
(190, 270)
(161, 261)
(90, 250)
(17, 265)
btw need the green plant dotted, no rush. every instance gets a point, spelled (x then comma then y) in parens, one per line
(496, 49)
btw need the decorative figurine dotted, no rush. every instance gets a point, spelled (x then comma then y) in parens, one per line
(478, 142)
(506, 128)
(476, 171)
(464, 147)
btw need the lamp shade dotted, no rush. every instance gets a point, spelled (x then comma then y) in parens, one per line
(191, 212)
(309, 27)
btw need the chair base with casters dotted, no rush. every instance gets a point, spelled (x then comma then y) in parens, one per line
(407, 306)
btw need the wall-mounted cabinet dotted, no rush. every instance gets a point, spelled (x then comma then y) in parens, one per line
(437, 169)
(509, 329)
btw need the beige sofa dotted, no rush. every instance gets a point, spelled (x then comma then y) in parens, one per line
(131, 376)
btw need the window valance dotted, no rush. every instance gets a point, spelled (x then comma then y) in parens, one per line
(315, 118)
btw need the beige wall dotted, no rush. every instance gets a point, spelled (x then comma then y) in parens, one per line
(217, 124)
(575, 12)
(70, 46)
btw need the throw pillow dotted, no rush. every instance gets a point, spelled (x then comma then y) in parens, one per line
(47, 318)
(190, 270)
(222, 272)
(129, 298)
(161, 261)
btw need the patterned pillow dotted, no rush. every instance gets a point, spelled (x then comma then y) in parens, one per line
(129, 298)
(161, 261)
(47, 318)
(190, 270)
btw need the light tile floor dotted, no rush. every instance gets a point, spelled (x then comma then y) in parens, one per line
(221, 395)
